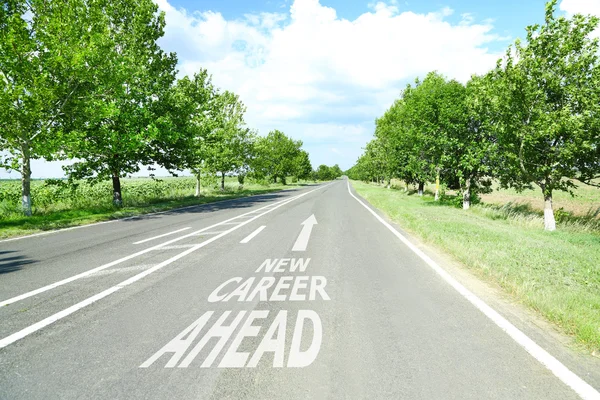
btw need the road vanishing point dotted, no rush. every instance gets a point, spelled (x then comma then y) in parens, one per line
(302, 294)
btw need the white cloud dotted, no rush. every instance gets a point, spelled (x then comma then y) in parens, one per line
(585, 7)
(321, 76)
(572, 7)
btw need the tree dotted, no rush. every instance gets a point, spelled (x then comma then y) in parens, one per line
(275, 156)
(547, 100)
(188, 115)
(50, 54)
(117, 128)
(230, 143)
(466, 119)
(336, 172)
(302, 165)
(323, 173)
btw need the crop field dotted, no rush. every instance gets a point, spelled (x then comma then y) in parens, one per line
(57, 195)
(57, 204)
(581, 210)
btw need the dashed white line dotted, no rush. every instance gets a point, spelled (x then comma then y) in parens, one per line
(68, 311)
(251, 236)
(163, 235)
(208, 233)
(119, 270)
(582, 388)
(175, 247)
(120, 260)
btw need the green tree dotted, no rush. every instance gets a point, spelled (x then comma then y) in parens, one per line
(275, 156)
(229, 145)
(50, 55)
(302, 165)
(324, 173)
(188, 115)
(473, 142)
(547, 100)
(336, 172)
(117, 130)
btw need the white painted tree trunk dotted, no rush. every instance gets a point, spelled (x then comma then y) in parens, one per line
(421, 188)
(26, 204)
(406, 187)
(437, 186)
(549, 221)
(467, 196)
(26, 182)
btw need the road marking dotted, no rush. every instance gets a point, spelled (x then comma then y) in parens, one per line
(141, 216)
(90, 300)
(175, 247)
(208, 233)
(582, 388)
(163, 235)
(251, 236)
(129, 257)
(274, 340)
(302, 241)
(117, 270)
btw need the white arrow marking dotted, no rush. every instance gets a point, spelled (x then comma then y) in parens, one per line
(302, 240)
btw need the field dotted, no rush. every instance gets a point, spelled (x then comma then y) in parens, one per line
(58, 205)
(556, 273)
(578, 212)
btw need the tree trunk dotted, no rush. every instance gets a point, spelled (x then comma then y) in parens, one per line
(405, 187)
(117, 199)
(26, 181)
(437, 186)
(421, 188)
(549, 222)
(389, 185)
(222, 181)
(467, 195)
(197, 185)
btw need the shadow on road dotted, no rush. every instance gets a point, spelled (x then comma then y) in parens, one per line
(231, 204)
(11, 262)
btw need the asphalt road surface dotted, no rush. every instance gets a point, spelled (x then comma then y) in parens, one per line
(295, 295)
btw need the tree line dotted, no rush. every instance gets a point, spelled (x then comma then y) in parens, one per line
(85, 80)
(533, 120)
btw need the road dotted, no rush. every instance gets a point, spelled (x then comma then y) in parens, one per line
(294, 295)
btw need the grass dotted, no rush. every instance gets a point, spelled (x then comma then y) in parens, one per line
(555, 273)
(62, 213)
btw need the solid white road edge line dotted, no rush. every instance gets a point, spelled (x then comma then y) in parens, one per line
(582, 388)
(90, 300)
(163, 235)
(126, 258)
(251, 236)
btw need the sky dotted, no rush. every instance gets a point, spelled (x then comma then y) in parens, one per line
(322, 71)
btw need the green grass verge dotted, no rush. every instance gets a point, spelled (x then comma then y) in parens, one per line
(555, 273)
(13, 224)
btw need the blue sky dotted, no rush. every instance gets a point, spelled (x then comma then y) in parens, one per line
(323, 70)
